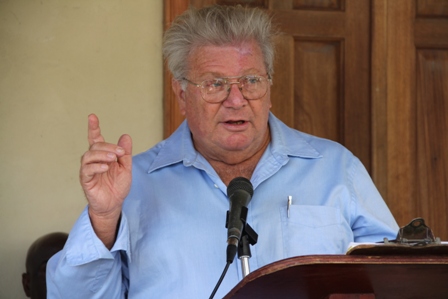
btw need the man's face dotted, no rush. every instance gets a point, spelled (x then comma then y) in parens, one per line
(235, 126)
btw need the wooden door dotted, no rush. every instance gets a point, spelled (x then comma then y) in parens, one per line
(372, 75)
(410, 108)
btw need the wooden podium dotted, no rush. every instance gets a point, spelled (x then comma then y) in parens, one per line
(348, 277)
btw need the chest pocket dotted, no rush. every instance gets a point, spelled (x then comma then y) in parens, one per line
(314, 230)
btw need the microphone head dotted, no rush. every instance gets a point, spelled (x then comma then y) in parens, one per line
(240, 183)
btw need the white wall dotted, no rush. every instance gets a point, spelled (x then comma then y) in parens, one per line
(60, 61)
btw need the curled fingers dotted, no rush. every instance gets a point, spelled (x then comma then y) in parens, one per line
(98, 158)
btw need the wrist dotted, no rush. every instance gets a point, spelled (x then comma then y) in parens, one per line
(105, 226)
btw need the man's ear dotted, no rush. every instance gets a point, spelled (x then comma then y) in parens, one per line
(26, 284)
(180, 95)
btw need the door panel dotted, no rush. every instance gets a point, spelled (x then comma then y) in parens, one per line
(432, 138)
(317, 88)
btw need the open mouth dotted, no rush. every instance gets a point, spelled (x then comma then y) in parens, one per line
(237, 122)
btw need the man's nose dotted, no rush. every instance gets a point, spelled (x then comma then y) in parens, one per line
(235, 96)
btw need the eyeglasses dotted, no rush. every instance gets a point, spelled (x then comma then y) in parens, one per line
(252, 87)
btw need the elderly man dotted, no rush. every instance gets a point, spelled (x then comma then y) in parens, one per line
(159, 233)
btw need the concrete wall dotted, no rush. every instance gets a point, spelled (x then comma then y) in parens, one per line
(59, 62)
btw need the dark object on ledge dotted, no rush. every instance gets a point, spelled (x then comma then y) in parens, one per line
(416, 238)
(416, 233)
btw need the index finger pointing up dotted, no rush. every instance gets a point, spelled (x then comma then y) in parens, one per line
(94, 131)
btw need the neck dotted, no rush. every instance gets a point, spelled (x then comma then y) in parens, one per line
(244, 167)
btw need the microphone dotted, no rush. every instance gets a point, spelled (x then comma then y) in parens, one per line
(240, 193)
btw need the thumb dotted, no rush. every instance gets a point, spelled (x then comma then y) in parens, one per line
(125, 142)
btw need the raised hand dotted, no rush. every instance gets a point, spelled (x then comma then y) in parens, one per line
(105, 176)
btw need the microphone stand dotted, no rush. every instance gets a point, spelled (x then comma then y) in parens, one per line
(248, 237)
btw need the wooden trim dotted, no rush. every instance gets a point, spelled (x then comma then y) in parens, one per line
(401, 135)
(171, 114)
(379, 95)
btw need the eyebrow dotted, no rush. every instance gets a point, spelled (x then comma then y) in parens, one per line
(232, 77)
(251, 71)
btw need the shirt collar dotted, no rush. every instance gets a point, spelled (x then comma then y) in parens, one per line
(175, 149)
(285, 142)
(289, 142)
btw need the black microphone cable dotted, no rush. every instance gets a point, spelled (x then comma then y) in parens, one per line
(220, 279)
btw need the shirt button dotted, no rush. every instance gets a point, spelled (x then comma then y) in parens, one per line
(216, 186)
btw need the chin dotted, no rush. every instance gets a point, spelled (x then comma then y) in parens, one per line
(237, 142)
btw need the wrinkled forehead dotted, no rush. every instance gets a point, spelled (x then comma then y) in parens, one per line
(229, 59)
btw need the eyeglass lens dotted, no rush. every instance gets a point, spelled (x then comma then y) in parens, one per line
(251, 87)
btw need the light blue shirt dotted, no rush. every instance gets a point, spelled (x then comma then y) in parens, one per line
(172, 238)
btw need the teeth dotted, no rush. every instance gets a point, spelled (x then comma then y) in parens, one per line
(237, 122)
